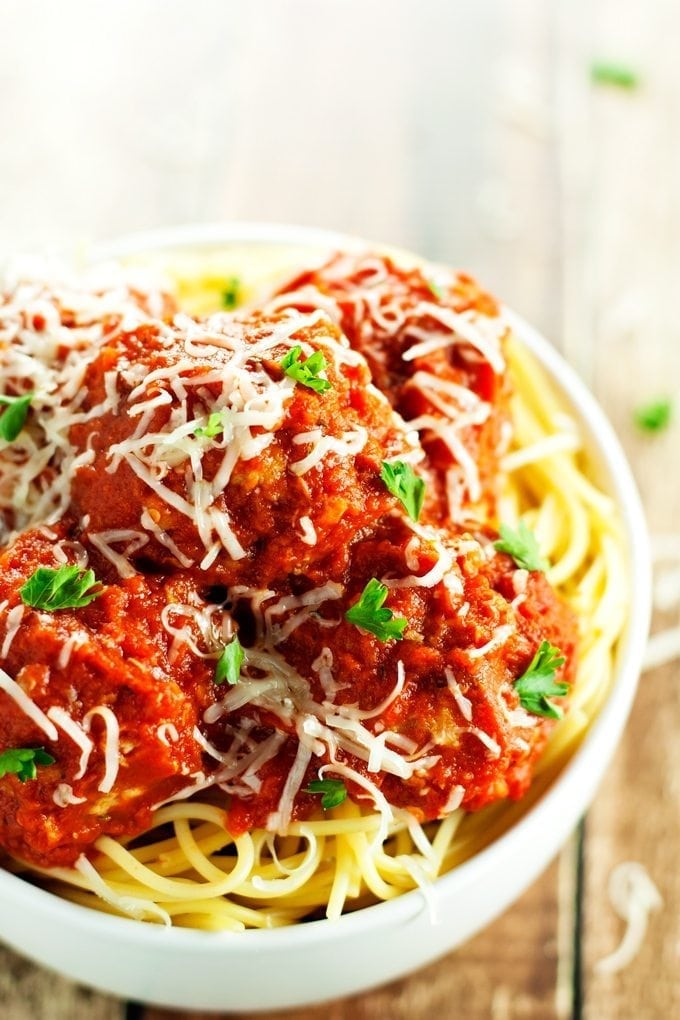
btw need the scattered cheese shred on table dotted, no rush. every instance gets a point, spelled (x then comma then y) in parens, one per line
(664, 646)
(634, 897)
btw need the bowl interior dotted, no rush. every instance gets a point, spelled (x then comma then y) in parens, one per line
(573, 787)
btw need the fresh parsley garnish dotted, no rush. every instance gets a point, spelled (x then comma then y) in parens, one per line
(333, 792)
(402, 481)
(13, 418)
(229, 663)
(655, 416)
(23, 762)
(307, 371)
(522, 546)
(538, 683)
(369, 614)
(215, 425)
(67, 587)
(231, 295)
(607, 73)
(436, 289)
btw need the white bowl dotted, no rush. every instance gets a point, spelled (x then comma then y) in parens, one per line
(321, 960)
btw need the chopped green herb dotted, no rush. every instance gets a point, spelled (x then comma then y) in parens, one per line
(655, 416)
(522, 546)
(67, 587)
(334, 792)
(215, 425)
(23, 761)
(402, 481)
(369, 614)
(603, 72)
(231, 295)
(538, 683)
(13, 418)
(436, 289)
(307, 371)
(229, 663)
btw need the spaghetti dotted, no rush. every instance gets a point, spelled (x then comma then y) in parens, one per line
(188, 869)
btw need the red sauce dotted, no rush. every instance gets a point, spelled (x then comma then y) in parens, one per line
(394, 323)
(125, 658)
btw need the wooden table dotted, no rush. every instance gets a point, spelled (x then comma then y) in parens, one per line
(472, 133)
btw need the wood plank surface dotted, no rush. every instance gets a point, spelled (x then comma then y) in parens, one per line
(632, 222)
(523, 983)
(472, 133)
(28, 992)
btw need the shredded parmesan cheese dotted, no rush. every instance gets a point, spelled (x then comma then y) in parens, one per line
(634, 897)
(278, 821)
(104, 541)
(348, 445)
(308, 530)
(464, 704)
(111, 748)
(167, 734)
(131, 906)
(71, 728)
(662, 648)
(492, 745)
(500, 636)
(14, 618)
(40, 353)
(27, 706)
(63, 796)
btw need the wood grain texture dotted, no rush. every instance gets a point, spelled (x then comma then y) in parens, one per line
(633, 224)
(29, 993)
(470, 132)
(520, 984)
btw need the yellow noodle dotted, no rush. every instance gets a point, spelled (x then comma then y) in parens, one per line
(181, 889)
(342, 880)
(330, 865)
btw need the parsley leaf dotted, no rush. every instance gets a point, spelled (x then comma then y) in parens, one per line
(402, 481)
(67, 587)
(23, 761)
(229, 663)
(231, 295)
(215, 425)
(369, 614)
(334, 792)
(522, 546)
(655, 416)
(538, 682)
(13, 418)
(306, 372)
(436, 288)
(606, 73)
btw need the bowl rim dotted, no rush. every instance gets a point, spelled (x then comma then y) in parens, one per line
(603, 733)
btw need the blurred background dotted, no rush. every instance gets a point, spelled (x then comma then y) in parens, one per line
(532, 142)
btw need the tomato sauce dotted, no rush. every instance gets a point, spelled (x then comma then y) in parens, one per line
(270, 527)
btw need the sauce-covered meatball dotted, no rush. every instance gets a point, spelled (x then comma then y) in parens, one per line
(222, 461)
(289, 519)
(97, 689)
(433, 340)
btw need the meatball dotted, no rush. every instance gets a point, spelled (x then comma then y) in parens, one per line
(223, 477)
(432, 720)
(51, 328)
(96, 688)
(435, 349)
(217, 459)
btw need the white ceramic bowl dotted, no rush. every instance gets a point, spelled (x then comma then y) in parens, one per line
(265, 970)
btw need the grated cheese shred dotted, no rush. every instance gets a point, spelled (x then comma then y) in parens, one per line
(111, 745)
(168, 407)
